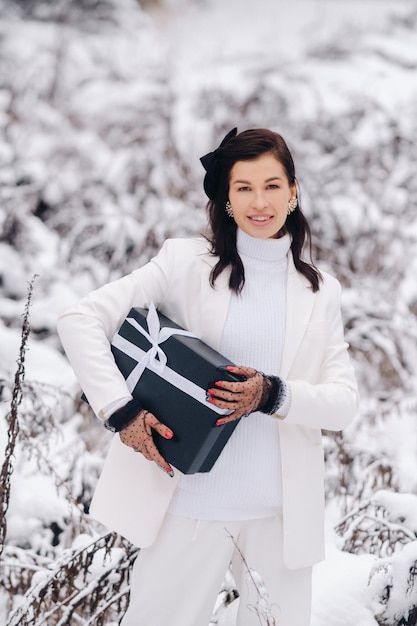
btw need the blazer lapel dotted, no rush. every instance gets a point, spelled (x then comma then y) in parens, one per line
(300, 301)
(214, 305)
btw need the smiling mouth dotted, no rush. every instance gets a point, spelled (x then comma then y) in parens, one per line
(260, 218)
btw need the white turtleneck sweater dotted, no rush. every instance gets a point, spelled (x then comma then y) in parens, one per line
(245, 482)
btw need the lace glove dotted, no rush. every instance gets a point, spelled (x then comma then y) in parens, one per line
(134, 426)
(258, 392)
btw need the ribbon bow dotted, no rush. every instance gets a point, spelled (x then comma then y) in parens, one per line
(211, 163)
(155, 357)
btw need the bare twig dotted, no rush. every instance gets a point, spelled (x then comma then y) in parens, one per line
(13, 421)
(262, 612)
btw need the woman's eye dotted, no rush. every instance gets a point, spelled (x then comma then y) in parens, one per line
(273, 186)
(243, 189)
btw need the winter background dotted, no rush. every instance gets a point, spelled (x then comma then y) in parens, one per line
(105, 108)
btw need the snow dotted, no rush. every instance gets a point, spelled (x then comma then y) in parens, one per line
(104, 120)
(341, 594)
(401, 507)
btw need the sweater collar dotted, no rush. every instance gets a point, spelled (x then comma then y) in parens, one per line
(262, 249)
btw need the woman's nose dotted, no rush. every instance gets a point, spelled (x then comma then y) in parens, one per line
(259, 201)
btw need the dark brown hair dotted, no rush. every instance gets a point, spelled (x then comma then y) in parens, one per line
(246, 146)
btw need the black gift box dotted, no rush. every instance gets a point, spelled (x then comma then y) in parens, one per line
(197, 442)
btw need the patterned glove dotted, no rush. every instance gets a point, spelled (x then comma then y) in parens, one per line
(134, 426)
(257, 393)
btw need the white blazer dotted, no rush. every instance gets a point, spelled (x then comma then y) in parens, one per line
(133, 494)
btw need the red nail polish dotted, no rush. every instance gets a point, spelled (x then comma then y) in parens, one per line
(218, 383)
(169, 434)
(220, 422)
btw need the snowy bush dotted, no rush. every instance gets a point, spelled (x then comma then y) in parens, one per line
(397, 578)
(381, 525)
(99, 164)
(87, 585)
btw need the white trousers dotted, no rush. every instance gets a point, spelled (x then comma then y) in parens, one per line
(175, 582)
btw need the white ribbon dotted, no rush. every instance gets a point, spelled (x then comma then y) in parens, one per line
(155, 358)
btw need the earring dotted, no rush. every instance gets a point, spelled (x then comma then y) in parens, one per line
(228, 209)
(292, 205)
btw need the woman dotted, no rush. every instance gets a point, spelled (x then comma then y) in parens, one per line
(247, 292)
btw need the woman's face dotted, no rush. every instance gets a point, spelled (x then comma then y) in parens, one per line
(259, 192)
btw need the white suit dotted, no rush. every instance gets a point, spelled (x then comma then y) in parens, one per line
(133, 494)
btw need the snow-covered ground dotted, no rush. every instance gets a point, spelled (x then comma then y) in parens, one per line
(103, 123)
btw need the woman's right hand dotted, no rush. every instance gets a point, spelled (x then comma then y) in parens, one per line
(138, 435)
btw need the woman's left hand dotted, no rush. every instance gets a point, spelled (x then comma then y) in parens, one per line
(241, 397)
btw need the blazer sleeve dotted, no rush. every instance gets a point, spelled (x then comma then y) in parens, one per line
(324, 393)
(87, 328)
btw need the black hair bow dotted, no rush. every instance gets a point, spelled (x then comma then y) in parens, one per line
(211, 163)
